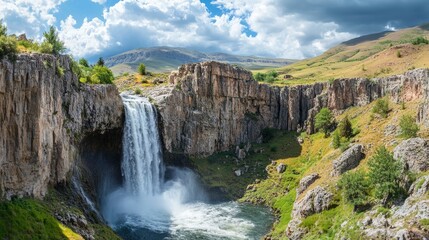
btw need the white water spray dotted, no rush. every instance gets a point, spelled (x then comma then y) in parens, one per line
(146, 207)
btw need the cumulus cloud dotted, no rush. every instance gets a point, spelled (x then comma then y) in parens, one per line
(29, 16)
(187, 23)
(99, 1)
(287, 28)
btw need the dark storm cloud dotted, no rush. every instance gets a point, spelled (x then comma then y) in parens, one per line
(361, 16)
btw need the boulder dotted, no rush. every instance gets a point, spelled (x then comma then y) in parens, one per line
(414, 153)
(240, 153)
(348, 160)
(306, 182)
(315, 201)
(281, 168)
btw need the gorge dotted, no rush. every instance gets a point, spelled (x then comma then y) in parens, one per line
(54, 128)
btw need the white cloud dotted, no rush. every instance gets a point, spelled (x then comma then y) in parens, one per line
(90, 37)
(29, 16)
(99, 1)
(183, 23)
(187, 23)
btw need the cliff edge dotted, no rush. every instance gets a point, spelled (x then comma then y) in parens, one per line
(44, 113)
(214, 106)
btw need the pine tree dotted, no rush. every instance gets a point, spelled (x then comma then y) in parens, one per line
(385, 174)
(345, 128)
(324, 120)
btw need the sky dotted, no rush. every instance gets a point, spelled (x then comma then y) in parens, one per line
(293, 29)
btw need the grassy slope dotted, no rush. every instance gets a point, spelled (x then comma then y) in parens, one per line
(363, 57)
(314, 155)
(31, 219)
(136, 81)
(28, 218)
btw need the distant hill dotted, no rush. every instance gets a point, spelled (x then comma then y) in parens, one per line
(165, 59)
(374, 55)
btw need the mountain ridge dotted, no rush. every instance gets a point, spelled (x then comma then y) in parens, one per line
(165, 59)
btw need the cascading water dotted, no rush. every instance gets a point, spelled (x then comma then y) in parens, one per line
(151, 206)
(142, 160)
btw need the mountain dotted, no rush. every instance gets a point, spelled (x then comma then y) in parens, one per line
(165, 59)
(375, 55)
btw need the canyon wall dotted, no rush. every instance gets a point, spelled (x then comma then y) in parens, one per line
(44, 114)
(214, 106)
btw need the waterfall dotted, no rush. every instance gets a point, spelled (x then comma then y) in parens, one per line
(151, 206)
(142, 166)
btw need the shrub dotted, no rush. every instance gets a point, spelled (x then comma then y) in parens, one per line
(420, 40)
(8, 48)
(398, 54)
(51, 37)
(381, 107)
(101, 74)
(46, 47)
(59, 70)
(138, 91)
(355, 187)
(409, 127)
(3, 29)
(385, 174)
(141, 69)
(336, 140)
(259, 77)
(273, 74)
(345, 128)
(324, 121)
(83, 62)
(269, 77)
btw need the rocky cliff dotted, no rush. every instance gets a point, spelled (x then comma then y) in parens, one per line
(215, 106)
(44, 113)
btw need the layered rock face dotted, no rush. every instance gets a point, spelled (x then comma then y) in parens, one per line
(215, 106)
(43, 116)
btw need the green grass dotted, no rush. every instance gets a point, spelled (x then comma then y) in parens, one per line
(28, 219)
(327, 224)
(368, 58)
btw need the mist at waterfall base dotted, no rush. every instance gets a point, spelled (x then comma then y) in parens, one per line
(169, 203)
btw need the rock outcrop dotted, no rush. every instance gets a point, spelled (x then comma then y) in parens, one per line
(404, 221)
(348, 160)
(43, 116)
(315, 201)
(414, 153)
(305, 182)
(213, 106)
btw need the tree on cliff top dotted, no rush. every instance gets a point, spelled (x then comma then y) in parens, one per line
(8, 45)
(3, 29)
(52, 42)
(100, 62)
